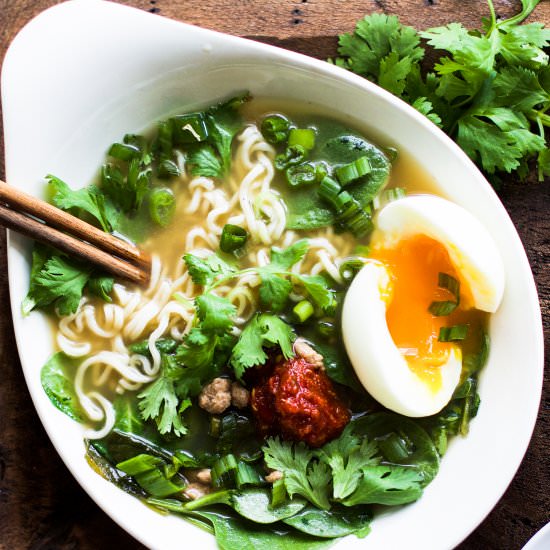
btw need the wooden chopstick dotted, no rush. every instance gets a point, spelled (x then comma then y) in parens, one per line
(115, 256)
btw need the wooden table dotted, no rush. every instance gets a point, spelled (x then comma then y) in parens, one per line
(41, 505)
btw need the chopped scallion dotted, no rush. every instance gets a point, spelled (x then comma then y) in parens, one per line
(223, 471)
(350, 267)
(301, 174)
(453, 334)
(394, 194)
(329, 189)
(156, 483)
(162, 205)
(168, 168)
(302, 311)
(189, 128)
(124, 151)
(275, 129)
(305, 137)
(232, 238)
(326, 328)
(348, 173)
(394, 448)
(278, 495)
(442, 308)
(247, 475)
(139, 464)
(293, 154)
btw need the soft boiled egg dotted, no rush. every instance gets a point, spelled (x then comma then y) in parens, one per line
(390, 334)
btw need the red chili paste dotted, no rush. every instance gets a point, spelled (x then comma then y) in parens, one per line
(297, 401)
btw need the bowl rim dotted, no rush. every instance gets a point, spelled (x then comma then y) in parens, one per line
(74, 7)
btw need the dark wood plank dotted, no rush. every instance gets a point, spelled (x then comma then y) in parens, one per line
(41, 506)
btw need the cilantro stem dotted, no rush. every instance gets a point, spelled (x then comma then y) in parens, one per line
(539, 117)
(493, 17)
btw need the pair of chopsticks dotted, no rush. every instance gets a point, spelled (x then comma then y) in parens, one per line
(50, 225)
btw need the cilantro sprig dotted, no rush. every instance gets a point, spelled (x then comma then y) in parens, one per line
(348, 470)
(490, 90)
(210, 345)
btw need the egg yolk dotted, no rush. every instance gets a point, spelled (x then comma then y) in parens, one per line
(415, 264)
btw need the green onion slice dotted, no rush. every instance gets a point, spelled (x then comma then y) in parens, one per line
(302, 136)
(446, 307)
(247, 475)
(275, 129)
(224, 471)
(302, 311)
(453, 334)
(301, 174)
(139, 464)
(329, 190)
(278, 495)
(353, 171)
(293, 154)
(233, 237)
(162, 205)
(189, 128)
(168, 168)
(124, 151)
(156, 483)
(350, 267)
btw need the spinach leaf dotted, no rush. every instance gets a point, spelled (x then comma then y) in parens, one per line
(255, 505)
(333, 523)
(234, 533)
(401, 442)
(57, 377)
(306, 210)
(127, 417)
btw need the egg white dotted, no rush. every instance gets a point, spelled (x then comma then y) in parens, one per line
(378, 363)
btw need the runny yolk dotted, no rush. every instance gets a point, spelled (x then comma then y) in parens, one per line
(415, 264)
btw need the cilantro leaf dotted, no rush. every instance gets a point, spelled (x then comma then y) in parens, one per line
(386, 484)
(263, 330)
(519, 88)
(375, 37)
(160, 402)
(347, 456)
(275, 288)
(215, 312)
(224, 121)
(101, 286)
(284, 259)
(425, 106)
(274, 291)
(302, 474)
(503, 66)
(34, 297)
(89, 199)
(204, 162)
(318, 289)
(60, 282)
(498, 138)
(203, 271)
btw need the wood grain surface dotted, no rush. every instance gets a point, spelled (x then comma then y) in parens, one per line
(41, 505)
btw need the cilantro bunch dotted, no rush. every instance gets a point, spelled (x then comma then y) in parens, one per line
(211, 344)
(489, 91)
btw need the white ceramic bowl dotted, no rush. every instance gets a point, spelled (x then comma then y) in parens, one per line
(85, 72)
